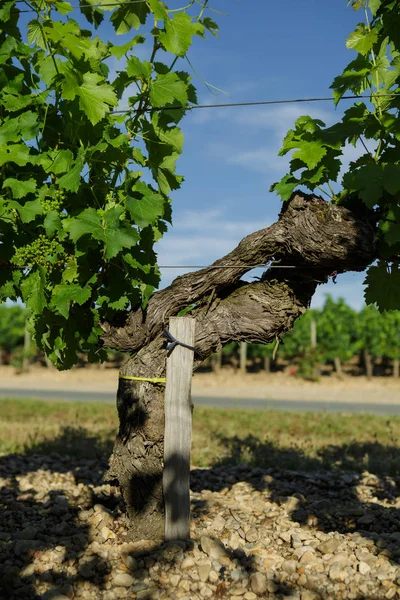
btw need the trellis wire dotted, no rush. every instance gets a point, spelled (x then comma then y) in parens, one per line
(256, 103)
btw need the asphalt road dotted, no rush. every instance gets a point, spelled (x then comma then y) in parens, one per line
(288, 405)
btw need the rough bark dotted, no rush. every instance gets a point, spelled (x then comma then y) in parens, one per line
(318, 238)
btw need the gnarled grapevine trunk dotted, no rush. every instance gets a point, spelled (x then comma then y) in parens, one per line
(137, 459)
(311, 241)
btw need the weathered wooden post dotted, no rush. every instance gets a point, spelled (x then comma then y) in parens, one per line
(313, 334)
(27, 346)
(178, 431)
(243, 357)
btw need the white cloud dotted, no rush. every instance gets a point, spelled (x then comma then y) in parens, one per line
(278, 118)
(272, 123)
(260, 160)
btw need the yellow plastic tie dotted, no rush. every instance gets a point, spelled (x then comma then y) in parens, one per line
(149, 379)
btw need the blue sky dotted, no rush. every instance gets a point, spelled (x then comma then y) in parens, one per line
(265, 51)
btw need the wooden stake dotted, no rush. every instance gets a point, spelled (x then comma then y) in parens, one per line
(313, 334)
(178, 431)
(243, 357)
(27, 346)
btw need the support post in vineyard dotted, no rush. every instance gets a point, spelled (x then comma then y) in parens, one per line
(178, 431)
(243, 357)
(27, 346)
(313, 334)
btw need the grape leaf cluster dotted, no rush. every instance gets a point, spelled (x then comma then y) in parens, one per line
(85, 191)
(373, 127)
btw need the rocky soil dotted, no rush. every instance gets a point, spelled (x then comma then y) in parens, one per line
(255, 534)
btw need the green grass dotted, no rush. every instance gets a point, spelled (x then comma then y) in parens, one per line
(307, 441)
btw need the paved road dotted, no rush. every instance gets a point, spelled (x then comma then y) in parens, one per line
(293, 405)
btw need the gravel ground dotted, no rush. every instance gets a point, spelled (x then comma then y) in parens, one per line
(255, 534)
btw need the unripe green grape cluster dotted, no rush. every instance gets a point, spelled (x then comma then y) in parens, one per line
(55, 202)
(37, 252)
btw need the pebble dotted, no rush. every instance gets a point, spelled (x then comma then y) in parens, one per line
(255, 534)
(212, 548)
(363, 568)
(258, 582)
(123, 579)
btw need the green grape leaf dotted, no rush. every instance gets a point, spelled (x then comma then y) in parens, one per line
(390, 227)
(362, 39)
(158, 9)
(178, 33)
(70, 272)
(147, 209)
(107, 229)
(369, 181)
(33, 290)
(374, 5)
(16, 153)
(9, 131)
(172, 137)
(310, 153)
(5, 11)
(211, 26)
(137, 155)
(285, 187)
(20, 188)
(383, 287)
(72, 178)
(350, 128)
(92, 14)
(35, 34)
(128, 16)
(57, 161)
(138, 68)
(165, 174)
(354, 78)
(165, 89)
(63, 7)
(95, 97)
(52, 223)
(28, 125)
(119, 304)
(391, 181)
(28, 211)
(66, 294)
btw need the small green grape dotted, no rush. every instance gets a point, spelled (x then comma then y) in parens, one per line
(56, 201)
(38, 252)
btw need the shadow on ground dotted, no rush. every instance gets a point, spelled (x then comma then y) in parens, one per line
(52, 540)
